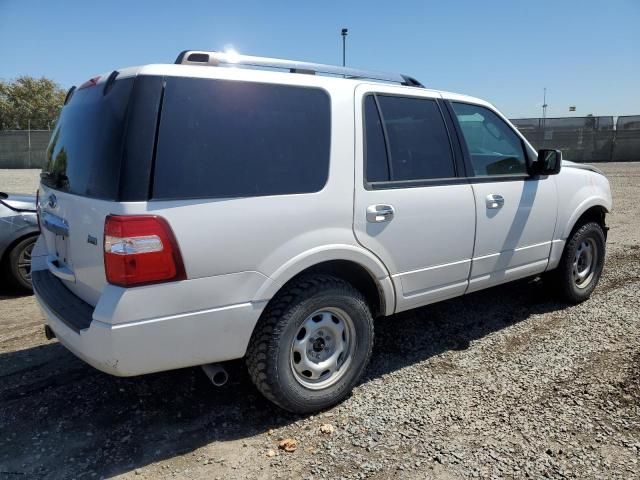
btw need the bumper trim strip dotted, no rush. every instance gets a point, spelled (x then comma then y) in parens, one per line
(70, 309)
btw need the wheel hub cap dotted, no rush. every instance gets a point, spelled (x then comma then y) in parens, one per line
(318, 344)
(584, 263)
(322, 348)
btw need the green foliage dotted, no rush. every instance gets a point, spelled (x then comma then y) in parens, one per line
(26, 98)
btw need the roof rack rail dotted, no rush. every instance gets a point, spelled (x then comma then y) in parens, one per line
(201, 57)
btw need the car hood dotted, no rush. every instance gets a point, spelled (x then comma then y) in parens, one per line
(17, 201)
(582, 166)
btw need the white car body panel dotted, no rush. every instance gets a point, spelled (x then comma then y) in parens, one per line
(239, 252)
(85, 217)
(427, 246)
(515, 240)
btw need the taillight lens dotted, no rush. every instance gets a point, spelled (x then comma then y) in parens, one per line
(140, 249)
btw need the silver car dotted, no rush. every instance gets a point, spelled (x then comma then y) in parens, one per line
(18, 234)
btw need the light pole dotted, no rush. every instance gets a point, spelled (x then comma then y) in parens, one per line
(544, 107)
(345, 32)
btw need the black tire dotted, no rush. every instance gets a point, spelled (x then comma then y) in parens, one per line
(563, 279)
(270, 357)
(15, 269)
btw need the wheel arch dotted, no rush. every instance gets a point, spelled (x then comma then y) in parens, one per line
(591, 211)
(352, 264)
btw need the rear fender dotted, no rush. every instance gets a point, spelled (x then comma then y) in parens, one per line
(327, 253)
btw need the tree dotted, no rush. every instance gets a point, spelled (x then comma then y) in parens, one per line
(28, 99)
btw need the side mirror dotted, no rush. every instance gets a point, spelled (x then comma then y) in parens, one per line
(548, 163)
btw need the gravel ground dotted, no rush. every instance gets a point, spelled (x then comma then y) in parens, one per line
(503, 383)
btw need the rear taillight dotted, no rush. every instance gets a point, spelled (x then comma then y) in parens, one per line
(140, 249)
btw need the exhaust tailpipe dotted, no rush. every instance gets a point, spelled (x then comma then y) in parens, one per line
(216, 373)
(50, 334)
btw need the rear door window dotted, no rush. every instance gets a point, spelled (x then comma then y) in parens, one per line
(377, 163)
(221, 138)
(405, 139)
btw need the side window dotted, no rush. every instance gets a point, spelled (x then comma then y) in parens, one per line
(494, 147)
(221, 138)
(377, 165)
(414, 142)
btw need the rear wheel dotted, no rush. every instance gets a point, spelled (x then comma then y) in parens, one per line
(312, 344)
(18, 264)
(581, 264)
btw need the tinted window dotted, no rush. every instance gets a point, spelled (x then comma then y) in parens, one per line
(235, 139)
(85, 151)
(416, 137)
(377, 167)
(494, 147)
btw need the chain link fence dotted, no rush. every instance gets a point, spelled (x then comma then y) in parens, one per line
(581, 139)
(23, 148)
(627, 141)
(585, 139)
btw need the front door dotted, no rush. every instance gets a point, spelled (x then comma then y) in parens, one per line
(516, 213)
(411, 209)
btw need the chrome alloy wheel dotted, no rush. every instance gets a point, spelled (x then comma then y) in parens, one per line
(24, 262)
(323, 348)
(584, 262)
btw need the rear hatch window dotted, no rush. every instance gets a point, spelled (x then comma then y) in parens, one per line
(85, 152)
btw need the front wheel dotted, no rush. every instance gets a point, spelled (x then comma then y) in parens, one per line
(311, 344)
(581, 264)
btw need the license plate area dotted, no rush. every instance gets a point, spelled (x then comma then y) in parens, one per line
(61, 250)
(57, 239)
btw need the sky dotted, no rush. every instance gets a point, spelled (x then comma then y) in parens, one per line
(586, 53)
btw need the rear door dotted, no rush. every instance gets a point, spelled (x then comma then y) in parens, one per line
(411, 208)
(92, 165)
(516, 213)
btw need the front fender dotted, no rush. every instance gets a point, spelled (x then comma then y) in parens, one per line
(599, 201)
(327, 253)
(579, 189)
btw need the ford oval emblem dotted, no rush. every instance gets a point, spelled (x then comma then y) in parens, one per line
(53, 201)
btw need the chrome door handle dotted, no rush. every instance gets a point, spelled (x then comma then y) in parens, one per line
(380, 213)
(494, 201)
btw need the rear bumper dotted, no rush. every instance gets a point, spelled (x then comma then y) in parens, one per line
(145, 346)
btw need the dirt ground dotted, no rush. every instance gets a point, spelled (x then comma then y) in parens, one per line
(505, 383)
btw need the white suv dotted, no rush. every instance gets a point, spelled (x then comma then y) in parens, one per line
(193, 214)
